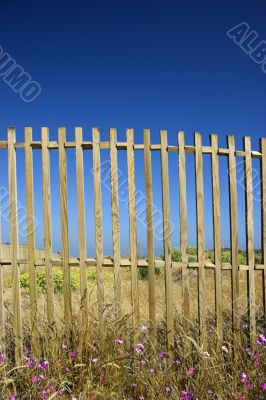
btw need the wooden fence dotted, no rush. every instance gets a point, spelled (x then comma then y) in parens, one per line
(116, 261)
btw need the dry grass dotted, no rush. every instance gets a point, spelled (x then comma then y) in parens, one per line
(94, 366)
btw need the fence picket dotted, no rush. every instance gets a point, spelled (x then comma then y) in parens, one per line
(150, 240)
(250, 239)
(64, 230)
(46, 190)
(217, 237)
(234, 234)
(183, 227)
(98, 219)
(2, 303)
(115, 222)
(81, 227)
(132, 227)
(167, 241)
(200, 237)
(12, 183)
(31, 240)
(263, 203)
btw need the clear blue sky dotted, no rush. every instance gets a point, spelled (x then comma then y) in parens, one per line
(140, 64)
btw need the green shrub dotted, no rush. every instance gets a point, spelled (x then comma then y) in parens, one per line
(143, 273)
(57, 280)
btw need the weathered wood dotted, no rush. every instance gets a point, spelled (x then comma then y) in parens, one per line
(46, 193)
(98, 219)
(250, 239)
(132, 227)
(81, 227)
(2, 304)
(263, 209)
(217, 237)
(16, 295)
(150, 239)
(234, 233)
(31, 240)
(183, 227)
(200, 237)
(115, 222)
(64, 231)
(167, 241)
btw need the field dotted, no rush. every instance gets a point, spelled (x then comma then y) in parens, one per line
(103, 362)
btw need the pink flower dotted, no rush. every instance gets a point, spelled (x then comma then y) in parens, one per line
(142, 362)
(44, 394)
(141, 397)
(13, 397)
(95, 360)
(152, 370)
(2, 358)
(73, 354)
(139, 349)
(143, 328)
(224, 349)
(42, 377)
(168, 390)
(162, 355)
(119, 341)
(191, 371)
(34, 379)
(261, 340)
(102, 375)
(243, 377)
(263, 386)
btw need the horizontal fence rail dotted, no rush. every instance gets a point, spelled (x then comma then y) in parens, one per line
(115, 261)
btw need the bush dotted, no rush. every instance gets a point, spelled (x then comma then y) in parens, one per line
(57, 280)
(143, 273)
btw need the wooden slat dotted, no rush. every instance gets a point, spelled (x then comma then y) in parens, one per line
(150, 239)
(81, 227)
(64, 230)
(132, 227)
(167, 241)
(2, 304)
(31, 240)
(217, 236)
(250, 239)
(263, 206)
(115, 221)
(46, 193)
(200, 237)
(234, 233)
(98, 219)
(16, 295)
(183, 227)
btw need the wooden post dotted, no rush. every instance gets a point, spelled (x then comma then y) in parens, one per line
(217, 238)
(234, 236)
(98, 219)
(115, 222)
(81, 228)
(150, 240)
(167, 241)
(31, 241)
(183, 227)
(132, 227)
(250, 240)
(200, 237)
(263, 202)
(64, 230)
(12, 183)
(46, 192)
(2, 305)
